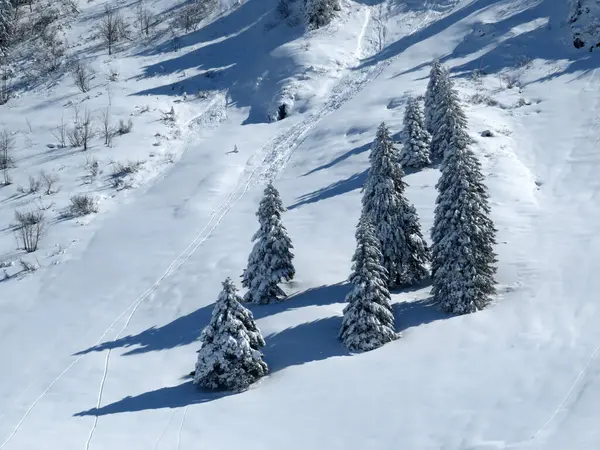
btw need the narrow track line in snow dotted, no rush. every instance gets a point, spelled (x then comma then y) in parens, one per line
(361, 36)
(89, 439)
(181, 428)
(133, 305)
(164, 430)
(277, 154)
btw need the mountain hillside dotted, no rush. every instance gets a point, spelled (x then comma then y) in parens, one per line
(99, 326)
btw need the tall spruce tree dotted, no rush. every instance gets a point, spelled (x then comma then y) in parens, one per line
(270, 261)
(431, 97)
(368, 321)
(404, 251)
(230, 356)
(449, 119)
(319, 13)
(415, 151)
(463, 258)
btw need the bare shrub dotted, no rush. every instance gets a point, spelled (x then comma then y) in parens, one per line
(121, 171)
(124, 127)
(190, 15)
(45, 15)
(113, 28)
(113, 75)
(145, 19)
(83, 131)
(49, 182)
(34, 186)
(511, 80)
(29, 229)
(60, 133)
(168, 116)
(82, 75)
(107, 129)
(28, 267)
(92, 168)
(7, 145)
(82, 205)
(6, 74)
(51, 51)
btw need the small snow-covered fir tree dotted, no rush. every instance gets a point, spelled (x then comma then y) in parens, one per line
(435, 74)
(270, 261)
(319, 13)
(6, 25)
(230, 356)
(463, 258)
(395, 219)
(415, 151)
(368, 321)
(449, 119)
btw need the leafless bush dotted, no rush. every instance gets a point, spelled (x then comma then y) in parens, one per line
(83, 131)
(60, 133)
(124, 127)
(145, 19)
(51, 51)
(484, 99)
(113, 75)
(168, 116)
(34, 186)
(113, 28)
(82, 205)
(43, 207)
(121, 171)
(29, 229)
(5, 84)
(107, 129)
(49, 182)
(511, 80)
(7, 145)
(92, 168)
(82, 75)
(190, 15)
(45, 15)
(27, 266)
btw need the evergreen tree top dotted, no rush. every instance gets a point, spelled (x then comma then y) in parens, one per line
(229, 316)
(367, 256)
(270, 205)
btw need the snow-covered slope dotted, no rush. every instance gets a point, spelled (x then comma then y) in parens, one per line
(96, 345)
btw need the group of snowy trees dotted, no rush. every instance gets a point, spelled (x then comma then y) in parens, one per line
(390, 250)
(230, 356)
(313, 13)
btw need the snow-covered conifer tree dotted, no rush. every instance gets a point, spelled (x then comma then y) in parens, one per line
(368, 321)
(319, 13)
(449, 119)
(230, 356)
(436, 72)
(6, 25)
(463, 259)
(395, 219)
(270, 261)
(415, 151)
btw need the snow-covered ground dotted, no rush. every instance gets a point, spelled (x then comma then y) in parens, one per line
(96, 345)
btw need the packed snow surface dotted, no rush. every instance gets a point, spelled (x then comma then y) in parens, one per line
(96, 346)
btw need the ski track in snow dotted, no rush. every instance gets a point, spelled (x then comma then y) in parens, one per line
(181, 427)
(592, 81)
(275, 155)
(210, 113)
(164, 430)
(361, 36)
